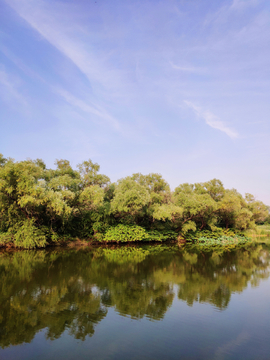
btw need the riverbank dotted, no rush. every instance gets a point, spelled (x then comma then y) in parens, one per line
(122, 234)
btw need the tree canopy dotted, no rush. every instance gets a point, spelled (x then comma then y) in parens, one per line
(40, 205)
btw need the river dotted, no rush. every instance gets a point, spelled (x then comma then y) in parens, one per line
(136, 302)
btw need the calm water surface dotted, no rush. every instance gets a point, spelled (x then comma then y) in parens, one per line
(144, 302)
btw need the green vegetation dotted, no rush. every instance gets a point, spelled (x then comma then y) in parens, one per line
(223, 240)
(217, 237)
(260, 230)
(40, 206)
(125, 233)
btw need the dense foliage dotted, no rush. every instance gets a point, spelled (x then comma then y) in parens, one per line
(40, 205)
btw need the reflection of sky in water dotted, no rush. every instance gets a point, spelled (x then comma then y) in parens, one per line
(173, 304)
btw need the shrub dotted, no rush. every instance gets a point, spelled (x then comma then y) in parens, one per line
(5, 238)
(223, 240)
(28, 236)
(214, 235)
(155, 235)
(98, 237)
(125, 233)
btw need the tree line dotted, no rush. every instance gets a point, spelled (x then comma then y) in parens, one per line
(40, 205)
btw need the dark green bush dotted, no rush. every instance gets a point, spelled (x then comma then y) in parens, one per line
(155, 235)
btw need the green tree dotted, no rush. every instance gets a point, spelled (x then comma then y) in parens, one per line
(258, 209)
(198, 207)
(89, 174)
(130, 199)
(158, 188)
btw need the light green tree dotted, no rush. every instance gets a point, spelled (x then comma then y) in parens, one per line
(198, 207)
(258, 209)
(130, 198)
(89, 174)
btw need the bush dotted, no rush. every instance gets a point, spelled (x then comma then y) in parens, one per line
(223, 240)
(125, 233)
(99, 237)
(28, 236)
(214, 235)
(5, 238)
(155, 235)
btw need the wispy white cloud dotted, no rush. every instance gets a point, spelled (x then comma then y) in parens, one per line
(191, 69)
(9, 85)
(19, 63)
(87, 108)
(60, 29)
(212, 120)
(242, 4)
(225, 13)
(57, 26)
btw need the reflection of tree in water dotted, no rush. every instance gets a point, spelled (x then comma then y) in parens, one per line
(216, 274)
(131, 285)
(47, 298)
(71, 290)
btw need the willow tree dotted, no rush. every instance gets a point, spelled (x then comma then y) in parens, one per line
(198, 207)
(130, 200)
(27, 205)
(259, 210)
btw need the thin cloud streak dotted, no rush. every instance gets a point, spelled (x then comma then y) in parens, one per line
(10, 87)
(85, 107)
(49, 24)
(52, 25)
(38, 17)
(212, 120)
(191, 69)
(242, 4)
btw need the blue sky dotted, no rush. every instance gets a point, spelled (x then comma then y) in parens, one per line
(178, 87)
